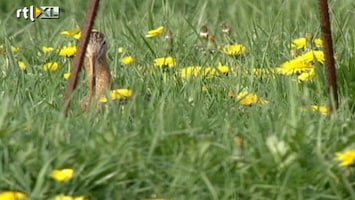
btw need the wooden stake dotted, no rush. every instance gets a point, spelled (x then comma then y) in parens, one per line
(329, 53)
(79, 58)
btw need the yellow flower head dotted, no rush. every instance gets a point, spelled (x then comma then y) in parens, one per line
(316, 108)
(66, 75)
(120, 49)
(208, 72)
(15, 49)
(103, 99)
(64, 197)
(155, 32)
(164, 62)
(306, 76)
(67, 51)
(47, 49)
(51, 66)
(321, 109)
(75, 33)
(22, 65)
(222, 68)
(117, 94)
(191, 71)
(318, 42)
(346, 158)
(299, 43)
(12, 195)
(302, 63)
(121, 94)
(128, 60)
(247, 99)
(62, 175)
(294, 67)
(312, 56)
(234, 50)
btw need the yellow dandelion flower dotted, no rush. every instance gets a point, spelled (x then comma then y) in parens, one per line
(299, 43)
(67, 51)
(12, 195)
(66, 75)
(306, 76)
(64, 197)
(155, 32)
(302, 63)
(234, 50)
(47, 49)
(302, 43)
(15, 49)
(22, 65)
(121, 94)
(247, 98)
(316, 108)
(294, 67)
(117, 94)
(75, 33)
(208, 72)
(62, 175)
(191, 71)
(321, 109)
(312, 56)
(128, 60)
(103, 99)
(51, 66)
(223, 68)
(120, 50)
(164, 62)
(318, 42)
(346, 158)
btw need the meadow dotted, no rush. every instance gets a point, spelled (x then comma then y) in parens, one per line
(248, 131)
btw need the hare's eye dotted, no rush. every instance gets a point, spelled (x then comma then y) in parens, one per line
(104, 43)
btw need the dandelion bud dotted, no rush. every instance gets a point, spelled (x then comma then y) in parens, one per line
(204, 32)
(226, 29)
(309, 36)
(169, 36)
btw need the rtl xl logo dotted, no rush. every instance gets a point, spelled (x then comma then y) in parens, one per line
(41, 12)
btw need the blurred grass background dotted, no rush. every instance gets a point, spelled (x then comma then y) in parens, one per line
(181, 143)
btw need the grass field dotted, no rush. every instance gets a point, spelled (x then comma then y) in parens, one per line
(177, 138)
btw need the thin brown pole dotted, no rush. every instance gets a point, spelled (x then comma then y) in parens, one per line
(79, 58)
(329, 53)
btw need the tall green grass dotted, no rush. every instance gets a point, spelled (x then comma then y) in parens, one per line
(171, 139)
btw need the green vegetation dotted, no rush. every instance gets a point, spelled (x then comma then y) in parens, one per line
(172, 138)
